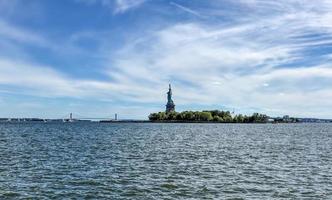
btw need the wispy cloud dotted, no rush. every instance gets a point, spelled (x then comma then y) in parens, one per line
(20, 35)
(124, 5)
(45, 81)
(186, 9)
(118, 6)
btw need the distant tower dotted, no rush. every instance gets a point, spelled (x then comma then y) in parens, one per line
(116, 117)
(71, 117)
(170, 106)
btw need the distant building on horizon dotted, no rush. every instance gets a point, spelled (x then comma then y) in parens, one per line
(170, 106)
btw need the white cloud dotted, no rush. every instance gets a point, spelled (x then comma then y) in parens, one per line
(186, 9)
(118, 6)
(10, 32)
(43, 81)
(124, 5)
(35, 79)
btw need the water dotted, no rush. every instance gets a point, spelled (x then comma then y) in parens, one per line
(165, 161)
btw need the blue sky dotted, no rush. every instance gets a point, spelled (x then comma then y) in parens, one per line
(100, 57)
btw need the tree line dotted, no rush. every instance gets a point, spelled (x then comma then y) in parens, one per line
(207, 116)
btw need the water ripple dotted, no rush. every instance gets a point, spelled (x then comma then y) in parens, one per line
(165, 161)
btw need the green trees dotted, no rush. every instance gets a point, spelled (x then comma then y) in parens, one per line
(221, 116)
(154, 117)
(188, 115)
(208, 116)
(239, 119)
(259, 118)
(204, 116)
(158, 116)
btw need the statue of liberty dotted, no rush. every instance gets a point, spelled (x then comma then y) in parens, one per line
(170, 106)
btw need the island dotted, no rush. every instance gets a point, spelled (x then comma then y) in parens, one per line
(215, 116)
(207, 116)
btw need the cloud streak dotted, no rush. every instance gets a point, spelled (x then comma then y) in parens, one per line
(186, 9)
(118, 6)
(125, 5)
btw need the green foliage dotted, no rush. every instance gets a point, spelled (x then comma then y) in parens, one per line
(157, 116)
(171, 116)
(208, 116)
(239, 119)
(218, 119)
(188, 115)
(154, 117)
(205, 116)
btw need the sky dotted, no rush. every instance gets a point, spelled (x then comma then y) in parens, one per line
(95, 58)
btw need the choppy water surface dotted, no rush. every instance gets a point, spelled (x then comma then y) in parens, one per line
(165, 161)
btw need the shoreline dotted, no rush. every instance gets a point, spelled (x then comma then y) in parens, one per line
(204, 122)
(158, 122)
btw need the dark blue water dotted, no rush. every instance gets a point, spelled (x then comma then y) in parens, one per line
(165, 161)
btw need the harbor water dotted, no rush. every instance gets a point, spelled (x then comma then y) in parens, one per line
(165, 161)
